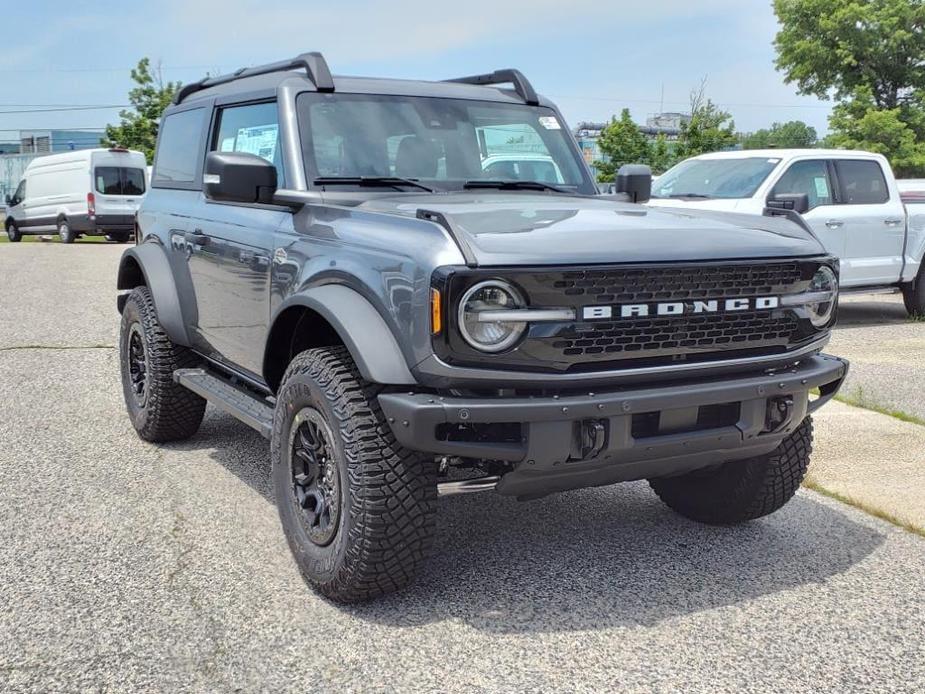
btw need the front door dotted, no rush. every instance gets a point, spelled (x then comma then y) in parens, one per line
(231, 246)
(814, 178)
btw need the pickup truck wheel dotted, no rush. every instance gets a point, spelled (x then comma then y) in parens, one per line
(357, 509)
(160, 409)
(65, 233)
(12, 233)
(914, 295)
(741, 490)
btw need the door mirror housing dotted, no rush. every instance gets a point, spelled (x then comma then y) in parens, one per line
(798, 202)
(634, 181)
(239, 177)
(9, 200)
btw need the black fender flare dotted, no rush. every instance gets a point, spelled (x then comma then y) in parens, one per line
(151, 259)
(361, 328)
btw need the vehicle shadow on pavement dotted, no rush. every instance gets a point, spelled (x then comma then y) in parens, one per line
(588, 559)
(871, 313)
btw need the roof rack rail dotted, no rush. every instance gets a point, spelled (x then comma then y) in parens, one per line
(313, 63)
(515, 77)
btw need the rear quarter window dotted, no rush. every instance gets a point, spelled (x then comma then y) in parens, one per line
(179, 149)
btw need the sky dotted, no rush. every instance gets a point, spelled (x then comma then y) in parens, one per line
(592, 58)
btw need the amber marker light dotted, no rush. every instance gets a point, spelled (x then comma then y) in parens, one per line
(436, 312)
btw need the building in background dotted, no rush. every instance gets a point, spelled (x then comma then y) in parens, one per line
(16, 153)
(588, 133)
(51, 141)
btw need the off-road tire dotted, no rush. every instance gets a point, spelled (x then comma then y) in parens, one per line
(12, 233)
(388, 495)
(741, 490)
(914, 295)
(65, 233)
(170, 412)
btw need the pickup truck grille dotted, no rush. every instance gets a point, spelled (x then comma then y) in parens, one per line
(614, 341)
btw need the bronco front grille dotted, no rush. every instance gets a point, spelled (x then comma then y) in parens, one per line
(611, 342)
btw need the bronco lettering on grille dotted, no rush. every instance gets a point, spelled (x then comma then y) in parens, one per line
(680, 308)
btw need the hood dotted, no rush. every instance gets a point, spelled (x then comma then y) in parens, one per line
(547, 229)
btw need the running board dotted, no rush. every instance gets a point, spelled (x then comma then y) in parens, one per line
(234, 400)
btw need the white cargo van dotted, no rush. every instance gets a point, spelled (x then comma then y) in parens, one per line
(89, 192)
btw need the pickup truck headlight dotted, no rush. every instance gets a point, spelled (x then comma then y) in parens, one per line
(819, 299)
(479, 327)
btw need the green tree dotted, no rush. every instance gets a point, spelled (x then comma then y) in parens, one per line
(710, 129)
(138, 129)
(661, 157)
(868, 56)
(857, 124)
(623, 143)
(792, 134)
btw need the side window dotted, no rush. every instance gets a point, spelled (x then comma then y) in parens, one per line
(861, 182)
(253, 129)
(178, 148)
(810, 177)
(20, 193)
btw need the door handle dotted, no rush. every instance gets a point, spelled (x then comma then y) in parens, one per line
(892, 222)
(834, 223)
(197, 238)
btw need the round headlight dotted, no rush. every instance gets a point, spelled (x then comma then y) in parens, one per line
(825, 286)
(475, 322)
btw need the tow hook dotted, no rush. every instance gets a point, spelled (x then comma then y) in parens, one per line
(592, 436)
(779, 414)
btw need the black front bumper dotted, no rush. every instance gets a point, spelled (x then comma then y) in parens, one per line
(552, 454)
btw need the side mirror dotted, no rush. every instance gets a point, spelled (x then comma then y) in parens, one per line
(798, 202)
(239, 177)
(635, 180)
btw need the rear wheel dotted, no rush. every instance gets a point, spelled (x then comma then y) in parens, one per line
(65, 233)
(160, 409)
(12, 233)
(741, 490)
(357, 509)
(914, 295)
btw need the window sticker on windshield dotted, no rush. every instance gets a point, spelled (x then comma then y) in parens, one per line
(259, 140)
(822, 187)
(550, 123)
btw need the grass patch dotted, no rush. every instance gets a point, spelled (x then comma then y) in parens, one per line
(866, 508)
(54, 239)
(857, 398)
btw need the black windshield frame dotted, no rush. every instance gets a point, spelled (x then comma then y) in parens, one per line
(561, 146)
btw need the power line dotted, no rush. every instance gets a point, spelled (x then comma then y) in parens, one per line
(70, 108)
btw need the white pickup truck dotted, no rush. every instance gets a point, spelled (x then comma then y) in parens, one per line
(852, 202)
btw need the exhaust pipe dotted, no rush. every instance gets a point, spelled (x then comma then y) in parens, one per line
(480, 484)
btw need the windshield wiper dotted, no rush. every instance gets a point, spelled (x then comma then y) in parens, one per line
(372, 181)
(511, 185)
(689, 196)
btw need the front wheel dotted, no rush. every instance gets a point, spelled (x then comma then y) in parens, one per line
(741, 490)
(357, 509)
(65, 233)
(12, 233)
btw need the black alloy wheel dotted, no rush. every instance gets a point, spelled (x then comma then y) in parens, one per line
(316, 486)
(138, 364)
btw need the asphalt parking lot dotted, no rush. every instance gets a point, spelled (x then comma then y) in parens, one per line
(125, 566)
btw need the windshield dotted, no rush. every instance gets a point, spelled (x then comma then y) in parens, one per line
(444, 144)
(714, 178)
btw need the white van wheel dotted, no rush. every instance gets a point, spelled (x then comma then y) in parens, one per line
(12, 233)
(64, 232)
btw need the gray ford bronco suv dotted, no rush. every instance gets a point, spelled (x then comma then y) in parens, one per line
(413, 289)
